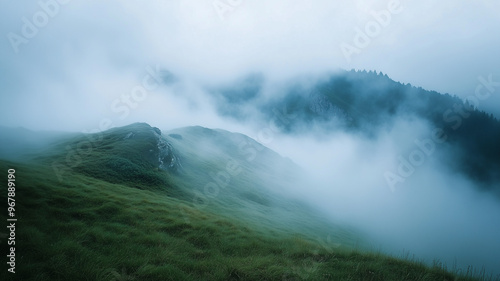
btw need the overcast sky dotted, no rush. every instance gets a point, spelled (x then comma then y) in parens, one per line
(62, 66)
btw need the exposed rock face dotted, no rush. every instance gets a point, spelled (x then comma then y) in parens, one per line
(167, 160)
(163, 156)
(129, 135)
(157, 131)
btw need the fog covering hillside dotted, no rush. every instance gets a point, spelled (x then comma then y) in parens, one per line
(416, 167)
(250, 140)
(227, 175)
(217, 205)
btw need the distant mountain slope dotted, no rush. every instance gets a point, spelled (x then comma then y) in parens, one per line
(21, 143)
(222, 150)
(234, 173)
(365, 102)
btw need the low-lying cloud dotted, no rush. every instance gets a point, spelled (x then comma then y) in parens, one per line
(435, 214)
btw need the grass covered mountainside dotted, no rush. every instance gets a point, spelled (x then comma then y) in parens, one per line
(135, 203)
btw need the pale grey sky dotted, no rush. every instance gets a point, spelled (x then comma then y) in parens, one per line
(63, 64)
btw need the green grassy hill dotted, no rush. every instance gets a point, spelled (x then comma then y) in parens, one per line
(134, 203)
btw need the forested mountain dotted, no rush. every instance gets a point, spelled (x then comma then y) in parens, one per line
(366, 102)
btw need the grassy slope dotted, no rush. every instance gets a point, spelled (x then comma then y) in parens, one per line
(257, 193)
(87, 228)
